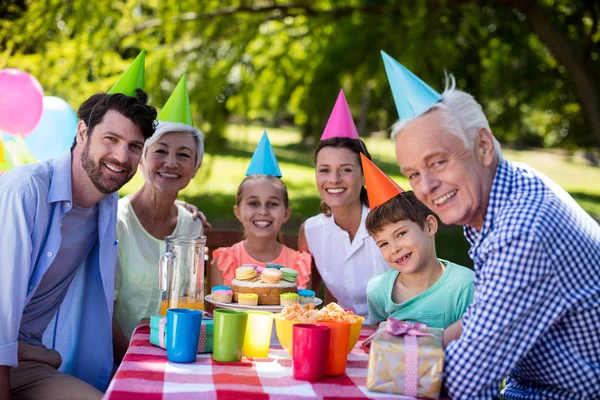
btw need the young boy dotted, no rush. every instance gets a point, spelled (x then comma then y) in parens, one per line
(419, 287)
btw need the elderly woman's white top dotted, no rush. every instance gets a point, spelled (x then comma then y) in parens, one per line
(345, 266)
(137, 294)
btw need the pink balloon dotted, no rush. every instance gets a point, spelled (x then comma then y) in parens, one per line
(20, 102)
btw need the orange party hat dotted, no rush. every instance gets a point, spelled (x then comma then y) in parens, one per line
(380, 187)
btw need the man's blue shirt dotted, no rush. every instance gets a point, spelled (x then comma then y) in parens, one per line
(535, 316)
(33, 200)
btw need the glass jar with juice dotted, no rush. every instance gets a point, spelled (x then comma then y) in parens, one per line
(181, 273)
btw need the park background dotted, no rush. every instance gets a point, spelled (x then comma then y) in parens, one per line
(534, 65)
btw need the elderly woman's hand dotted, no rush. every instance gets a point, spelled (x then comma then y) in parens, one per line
(195, 213)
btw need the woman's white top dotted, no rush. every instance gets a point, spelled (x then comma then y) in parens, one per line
(137, 294)
(345, 266)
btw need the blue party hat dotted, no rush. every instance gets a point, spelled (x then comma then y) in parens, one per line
(263, 160)
(412, 96)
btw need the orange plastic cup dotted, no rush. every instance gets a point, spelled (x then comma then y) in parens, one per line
(338, 347)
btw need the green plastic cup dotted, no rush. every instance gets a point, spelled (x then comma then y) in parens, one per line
(229, 332)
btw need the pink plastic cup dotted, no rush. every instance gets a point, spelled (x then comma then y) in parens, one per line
(311, 351)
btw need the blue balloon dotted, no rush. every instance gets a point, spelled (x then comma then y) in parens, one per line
(6, 137)
(56, 130)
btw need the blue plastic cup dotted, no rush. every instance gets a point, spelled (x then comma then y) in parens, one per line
(183, 333)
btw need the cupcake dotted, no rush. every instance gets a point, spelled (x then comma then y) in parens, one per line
(245, 273)
(306, 296)
(271, 275)
(222, 295)
(289, 274)
(286, 299)
(221, 287)
(247, 299)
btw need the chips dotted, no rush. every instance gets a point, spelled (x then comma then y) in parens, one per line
(307, 313)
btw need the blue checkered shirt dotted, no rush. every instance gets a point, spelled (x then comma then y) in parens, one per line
(535, 317)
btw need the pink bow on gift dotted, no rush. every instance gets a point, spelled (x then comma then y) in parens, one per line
(401, 328)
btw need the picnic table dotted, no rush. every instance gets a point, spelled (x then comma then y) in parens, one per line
(146, 374)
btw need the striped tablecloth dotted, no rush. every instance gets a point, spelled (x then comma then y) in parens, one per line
(146, 374)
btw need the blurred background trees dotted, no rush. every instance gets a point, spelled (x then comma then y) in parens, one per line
(533, 64)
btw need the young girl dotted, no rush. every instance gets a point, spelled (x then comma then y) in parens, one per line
(262, 207)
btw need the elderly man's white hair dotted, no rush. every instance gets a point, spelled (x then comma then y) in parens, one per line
(167, 127)
(462, 115)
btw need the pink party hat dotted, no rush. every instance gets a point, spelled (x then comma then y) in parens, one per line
(340, 123)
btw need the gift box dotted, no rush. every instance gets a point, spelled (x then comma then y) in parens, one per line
(406, 358)
(158, 331)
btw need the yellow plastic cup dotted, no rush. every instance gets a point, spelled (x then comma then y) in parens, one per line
(258, 334)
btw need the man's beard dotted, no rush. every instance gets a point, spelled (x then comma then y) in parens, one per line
(104, 184)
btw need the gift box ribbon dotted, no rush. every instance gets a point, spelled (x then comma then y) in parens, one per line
(201, 343)
(410, 331)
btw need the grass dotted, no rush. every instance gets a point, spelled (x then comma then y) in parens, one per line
(213, 190)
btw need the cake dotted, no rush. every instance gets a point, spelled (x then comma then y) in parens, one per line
(306, 296)
(287, 299)
(247, 299)
(222, 295)
(268, 293)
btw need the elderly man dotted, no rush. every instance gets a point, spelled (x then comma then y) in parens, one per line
(535, 318)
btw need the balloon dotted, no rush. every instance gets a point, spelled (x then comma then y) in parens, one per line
(20, 102)
(56, 130)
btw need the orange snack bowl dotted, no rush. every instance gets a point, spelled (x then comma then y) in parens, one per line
(285, 329)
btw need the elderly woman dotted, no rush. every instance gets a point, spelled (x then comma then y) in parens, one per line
(170, 159)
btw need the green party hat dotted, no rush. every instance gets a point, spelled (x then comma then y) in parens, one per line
(177, 108)
(132, 79)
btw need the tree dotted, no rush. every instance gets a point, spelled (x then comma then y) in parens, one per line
(532, 64)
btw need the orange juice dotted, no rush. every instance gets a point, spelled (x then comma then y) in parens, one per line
(181, 302)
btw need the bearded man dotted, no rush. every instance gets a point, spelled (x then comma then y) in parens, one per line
(58, 222)
(535, 317)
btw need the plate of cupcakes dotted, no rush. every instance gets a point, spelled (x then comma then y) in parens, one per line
(268, 288)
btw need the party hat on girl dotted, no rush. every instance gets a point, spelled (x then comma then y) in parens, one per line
(340, 123)
(263, 160)
(380, 187)
(412, 96)
(132, 78)
(177, 108)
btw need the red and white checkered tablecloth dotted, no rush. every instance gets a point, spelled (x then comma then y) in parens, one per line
(145, 374)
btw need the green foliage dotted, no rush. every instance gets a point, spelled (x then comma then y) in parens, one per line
(283, 62)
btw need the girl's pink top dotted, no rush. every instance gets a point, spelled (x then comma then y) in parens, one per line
(230, 258)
